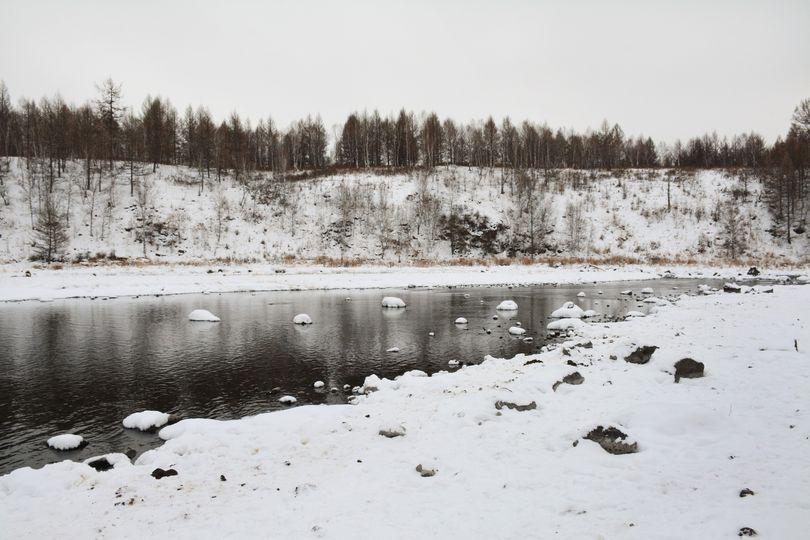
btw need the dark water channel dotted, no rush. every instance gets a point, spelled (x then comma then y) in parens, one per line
(81, 366)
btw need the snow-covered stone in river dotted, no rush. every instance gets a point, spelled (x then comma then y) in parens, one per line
(507, 305)
(627, 292)
(569, 310)
(431, 334)
(318, 384)
(393, 302)
(631, 314)
(146, 420)
(393, 349)
(452, 363)
(581, 294)
(647, 290)
(461, 320)
(67, 441)
(517, 331)
(561, 325)
(287, 400)
(302, 318)
(202, 315)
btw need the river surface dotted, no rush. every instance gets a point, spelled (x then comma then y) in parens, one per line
(81, 366)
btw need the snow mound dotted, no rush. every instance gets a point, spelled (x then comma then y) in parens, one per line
(393, 302)
(67, 441)
(517, 331)
(565, 324)
(146, 420)
(302, 318)
(202, 315)
(569, 310)
(461, 320)
(507, 305)
(287, 400)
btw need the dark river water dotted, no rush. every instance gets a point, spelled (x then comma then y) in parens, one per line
(81, 366)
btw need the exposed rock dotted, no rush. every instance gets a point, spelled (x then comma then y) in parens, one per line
(753, 271)
(746, 492)
(747, 531)
(641, 355)
(424, 471)
(394, 432)
(571, 378)
(515, 406)
(100, 464)
(159, 473)
(130, 453)
(611, 440)
(687, 368)
(731, 288)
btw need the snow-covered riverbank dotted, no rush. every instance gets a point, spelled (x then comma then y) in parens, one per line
(507, 449)
(110, 280)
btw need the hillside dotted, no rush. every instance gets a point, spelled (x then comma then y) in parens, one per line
(450, 213)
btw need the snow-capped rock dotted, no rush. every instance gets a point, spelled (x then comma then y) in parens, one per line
(287, 400)
(146, 420)
(318, 384)
(507, 305)
(66, 441)
(202, 315)
(517, 331)
(569, 310)
(461, 320)
(302, 318)
(393, 302)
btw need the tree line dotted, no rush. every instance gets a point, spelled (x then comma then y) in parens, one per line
(104, 130)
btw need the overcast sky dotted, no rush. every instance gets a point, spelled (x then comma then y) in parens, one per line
(669, 69)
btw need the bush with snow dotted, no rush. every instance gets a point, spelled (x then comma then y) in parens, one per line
(302, 318)
(202, 315)
(146, 420)
(393, 302)
(569, 310)
(507, 305)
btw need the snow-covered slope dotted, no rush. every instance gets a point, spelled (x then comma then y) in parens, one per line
(402, 217)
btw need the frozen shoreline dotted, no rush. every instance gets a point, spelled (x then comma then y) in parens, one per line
(113, 281)
(325, 471)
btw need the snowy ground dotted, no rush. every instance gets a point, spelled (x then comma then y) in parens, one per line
(325, 471)
(107, 281)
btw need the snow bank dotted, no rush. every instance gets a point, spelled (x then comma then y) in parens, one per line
(393, 302)
(145, 420)
(67, 441)
(507, 305)
(302, 318)
(202, 315)
(569, 310)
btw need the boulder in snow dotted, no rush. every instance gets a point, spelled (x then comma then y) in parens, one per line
(572, 378)
(647, 290)
(641, 355)
(159, 473)
(633, 314)
(302, 318)
(202, 315)
(517, 331)
(612, 440)
(507, 305)
(731, 288)
(686, 368)
(569, 310)
(516, 406)
(393, 302)
(425, 472)
(561, 325)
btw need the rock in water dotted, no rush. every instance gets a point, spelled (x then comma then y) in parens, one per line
(507, 305)
(159, 473)
(612, 440)
(641, 355)
(687, 368)
(202, 315)
(302, 318)
(393, 302)
(461, 320)
(67, 441)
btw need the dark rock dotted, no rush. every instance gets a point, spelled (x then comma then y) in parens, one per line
(222, 478)
(753, 271)
(391, 433)
(425, 472)
(509, 405)
(159, 473)
(746, 492)
(611, 440)
(571, 378)
(571, 363)
(641, 355)
(731, 288)
(747, 531)
(687, 368)
(130, 453)
(100, 464)
(28, 273)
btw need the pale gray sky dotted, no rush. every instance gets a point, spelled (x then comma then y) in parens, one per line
(663, 68)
